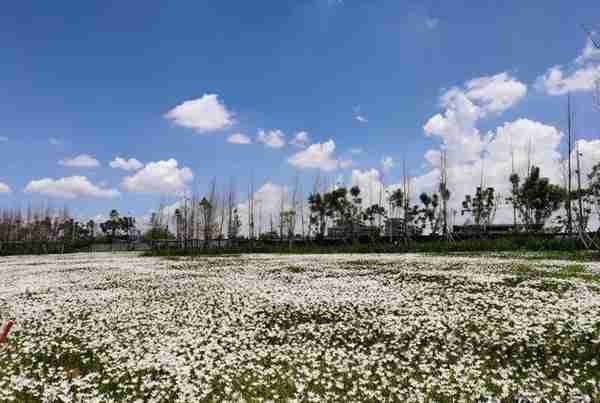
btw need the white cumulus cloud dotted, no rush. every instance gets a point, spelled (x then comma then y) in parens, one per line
(131, 164)
(272, 138)
(301, 139)
(3, 139)
(4, 188)
(204, 114)
(496, 93)
(320, 156)
(515, 144)
(239, 138)
(589, 53)
(80, 161)
(268, 201)
(346, 163)
(580, 75)
(464, 107)
(69, 188)
(159, 177)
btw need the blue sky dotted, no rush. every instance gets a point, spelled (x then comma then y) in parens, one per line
(99, 78)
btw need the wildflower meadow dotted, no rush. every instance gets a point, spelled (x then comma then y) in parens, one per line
(265, 328)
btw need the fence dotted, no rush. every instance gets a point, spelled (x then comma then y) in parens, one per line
(56, 247)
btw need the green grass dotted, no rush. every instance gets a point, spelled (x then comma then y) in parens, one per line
(529, 247)
(570, 272)
(295, 269)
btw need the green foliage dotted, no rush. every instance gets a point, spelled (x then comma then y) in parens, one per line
(336, 206)
(117, 225)
(482, 206)
(158, 233)
(430, 214)
(318, 214)
(536, 199)
(526, 246)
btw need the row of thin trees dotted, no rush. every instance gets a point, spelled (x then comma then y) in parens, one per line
(41, 224)
(537, 204)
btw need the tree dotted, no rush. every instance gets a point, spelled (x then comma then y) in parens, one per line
(117, 225)
(158, 233)
(234, 225)
(482, 206)
(594, 188)
(353, 212)
(397, 201)
(430, 214)
(91, 227)
(206, 209)
(371, 213)
(318, 214)
(112, 225)
(536, 199)
(287, 219)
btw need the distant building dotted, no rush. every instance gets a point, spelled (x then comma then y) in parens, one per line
(394, 227)
(494, 229)
(347, 231)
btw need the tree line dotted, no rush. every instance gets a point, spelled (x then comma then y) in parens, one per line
(537, 204)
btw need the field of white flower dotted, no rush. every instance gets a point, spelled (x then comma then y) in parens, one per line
(344, 328)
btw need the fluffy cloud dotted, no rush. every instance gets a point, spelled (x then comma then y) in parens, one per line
(515, 144)
(474, 158)
(273, 138)
(3, 139)
(387, 163)
(128, 165)
(372, 189)
(464, 107)
(4, 188)
(54, 141)
(580, 75)
(589, 151)
(317, 155)
(204, 114)
(346, 163)
(301, 139)
(357, 150)
(69, 188)
(80, 161)
(268, 200)
(267, 205)
(239, 138)
(554, 82)
(589, 53)
(496, 93)
(159, 177)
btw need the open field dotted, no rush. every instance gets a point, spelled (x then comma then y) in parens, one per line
(347, 328)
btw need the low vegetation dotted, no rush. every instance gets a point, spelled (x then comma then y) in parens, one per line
(310, 328)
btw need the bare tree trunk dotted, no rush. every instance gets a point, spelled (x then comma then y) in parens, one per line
(251, 213)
